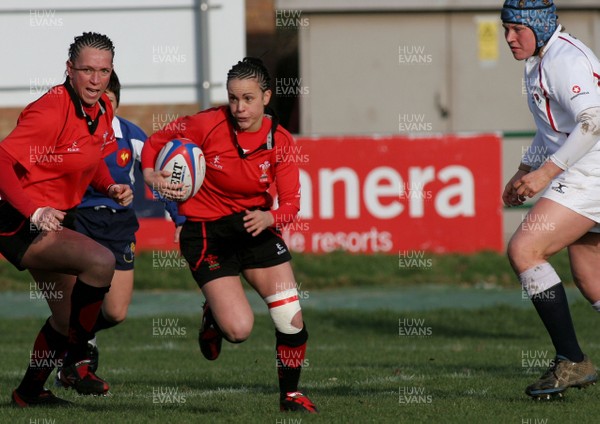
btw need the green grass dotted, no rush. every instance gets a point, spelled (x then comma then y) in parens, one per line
(466, 368)
(335, 270)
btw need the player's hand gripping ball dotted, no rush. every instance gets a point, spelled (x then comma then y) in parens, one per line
(185, 161)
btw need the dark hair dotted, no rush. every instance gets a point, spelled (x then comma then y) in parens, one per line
(114, 86)
(251, 67)
(90, 39)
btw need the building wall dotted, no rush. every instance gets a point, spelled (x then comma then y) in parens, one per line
(355, 64)
(278, 47)
(260, 17)
(387, 72)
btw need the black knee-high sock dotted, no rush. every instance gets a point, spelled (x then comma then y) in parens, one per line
(553, 308)
(290, 349)
(86, 302)
(48, 350)
(102, 323)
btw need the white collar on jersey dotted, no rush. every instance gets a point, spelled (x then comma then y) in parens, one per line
(551, 40)
(116, 125)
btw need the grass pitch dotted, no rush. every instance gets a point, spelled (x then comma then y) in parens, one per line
(441, 366)
(333, 270)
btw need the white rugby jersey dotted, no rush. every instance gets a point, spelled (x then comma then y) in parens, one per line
(561, 83)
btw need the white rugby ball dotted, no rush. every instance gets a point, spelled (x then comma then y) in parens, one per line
(185, 161)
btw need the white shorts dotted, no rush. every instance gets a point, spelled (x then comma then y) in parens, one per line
(578, 188)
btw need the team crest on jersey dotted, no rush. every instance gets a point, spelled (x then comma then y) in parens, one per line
(537, 95)
(123, 157)
(264, 167)
(559, 188)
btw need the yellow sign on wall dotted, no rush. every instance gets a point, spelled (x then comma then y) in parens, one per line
(487, 34)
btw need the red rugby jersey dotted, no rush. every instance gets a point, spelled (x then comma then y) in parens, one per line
(59, 148)
(234, 181)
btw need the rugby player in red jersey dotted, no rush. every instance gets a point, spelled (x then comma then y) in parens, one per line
(231, 227)
(46, 164)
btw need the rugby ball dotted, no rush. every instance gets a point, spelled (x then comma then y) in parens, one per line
(185, 161)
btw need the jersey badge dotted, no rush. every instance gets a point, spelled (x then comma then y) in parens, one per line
(129, 253)
(264, 167)
(123, 157)
(213, 262)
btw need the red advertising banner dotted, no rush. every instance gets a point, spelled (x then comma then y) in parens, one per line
(388, 195)
(393, 194)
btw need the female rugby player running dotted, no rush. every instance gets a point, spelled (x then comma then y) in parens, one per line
(46, 164)
(114, 225)
(230, 227)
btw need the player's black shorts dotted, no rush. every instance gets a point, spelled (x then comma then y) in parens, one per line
(113, 229)
(17, 233)
(224, 248)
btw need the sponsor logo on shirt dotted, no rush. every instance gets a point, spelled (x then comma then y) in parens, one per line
(74, 147)
(577, 91)
(559, 188)
(106, 142)
(280, 248)
(216, 162)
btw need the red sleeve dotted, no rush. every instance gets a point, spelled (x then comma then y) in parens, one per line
(194, 127)
(102, 178)
(37, 130)
(180, 128)
(287, 181)
(149, 154)
(10, 186)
